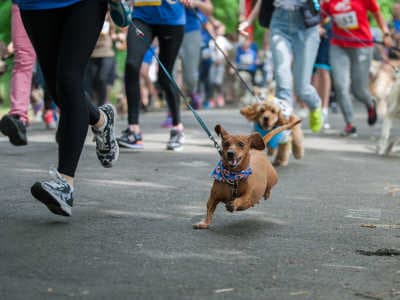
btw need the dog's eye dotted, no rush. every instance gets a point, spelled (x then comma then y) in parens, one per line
(273, 111)
(226, 144)
(241, 144)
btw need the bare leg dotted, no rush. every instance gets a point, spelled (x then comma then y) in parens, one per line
(383, 146)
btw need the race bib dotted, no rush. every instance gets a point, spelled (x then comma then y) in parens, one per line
(246, 59)
(346, 20)
(147, 2)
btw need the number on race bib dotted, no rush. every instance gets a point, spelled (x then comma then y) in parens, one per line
(346, 20)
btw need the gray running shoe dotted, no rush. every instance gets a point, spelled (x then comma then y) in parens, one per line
(176, 140)
(107, 149)
(56, 194)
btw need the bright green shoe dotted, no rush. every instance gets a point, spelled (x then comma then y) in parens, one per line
(316, 120)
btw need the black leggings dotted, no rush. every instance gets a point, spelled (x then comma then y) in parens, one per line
(99, 72)
(170, 40)
(63, 39)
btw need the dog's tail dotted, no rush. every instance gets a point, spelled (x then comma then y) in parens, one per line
(277, 130)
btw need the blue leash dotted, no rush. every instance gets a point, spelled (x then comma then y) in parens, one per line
(227, 58)
(175, 85)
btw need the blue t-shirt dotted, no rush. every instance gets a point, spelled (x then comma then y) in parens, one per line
(194, 19)
(246, 59)
(170, 12)
(148, 56)
(396, 25)
(44, 4)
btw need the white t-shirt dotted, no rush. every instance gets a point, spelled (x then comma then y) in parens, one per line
(224, 44)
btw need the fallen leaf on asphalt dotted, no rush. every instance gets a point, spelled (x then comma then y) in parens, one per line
(385, 226)
(368, 295)
(393, 190)
(379, 252)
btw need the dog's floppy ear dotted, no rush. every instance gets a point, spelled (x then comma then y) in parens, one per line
(250, 112)
(256, 141)
(220, 131)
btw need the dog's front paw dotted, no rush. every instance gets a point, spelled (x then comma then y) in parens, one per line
(230, 206)
(200, 225)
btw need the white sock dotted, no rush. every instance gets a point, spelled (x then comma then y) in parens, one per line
(105, 121)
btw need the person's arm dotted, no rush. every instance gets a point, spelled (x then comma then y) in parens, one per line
(245, 24)
(387, 40)
(206, 7)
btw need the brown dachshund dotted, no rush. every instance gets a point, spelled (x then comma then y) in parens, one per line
(244, 174)
(269, 115)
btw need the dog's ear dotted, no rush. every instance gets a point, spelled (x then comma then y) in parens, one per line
(250, 112)
(256, 141)
(281, 119)
(220, 131)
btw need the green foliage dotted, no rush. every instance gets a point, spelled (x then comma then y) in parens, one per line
(227, 11)
(5, 36)
(386, 7)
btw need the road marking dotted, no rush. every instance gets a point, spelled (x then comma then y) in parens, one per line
(345, 267)
(195, 164)
(299, 293)
(224, 290)
(367, 214)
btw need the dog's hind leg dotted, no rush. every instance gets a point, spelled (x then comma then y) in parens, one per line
(384, 145)
(211, 206)
(297, 142)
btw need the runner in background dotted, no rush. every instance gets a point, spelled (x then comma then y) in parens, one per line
(294, 41)
(14, 123)
(351, 54)
(165, 20)
(321, 78)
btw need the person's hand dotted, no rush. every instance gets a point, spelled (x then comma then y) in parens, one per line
(242, 28)
(186, 3)
(195, 3)
(387, 41)
(322, 31)
(10, 48)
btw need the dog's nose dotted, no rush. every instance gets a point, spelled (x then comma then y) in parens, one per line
(230, 154)
(266, 119)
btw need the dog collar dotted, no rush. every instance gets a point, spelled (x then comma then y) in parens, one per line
(280, 138)
(223, 175)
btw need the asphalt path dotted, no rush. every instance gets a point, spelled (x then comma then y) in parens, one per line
(131, 236)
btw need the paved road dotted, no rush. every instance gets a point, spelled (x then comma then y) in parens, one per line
(130, 236)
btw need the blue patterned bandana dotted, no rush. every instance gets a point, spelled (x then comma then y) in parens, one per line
(223, 175)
